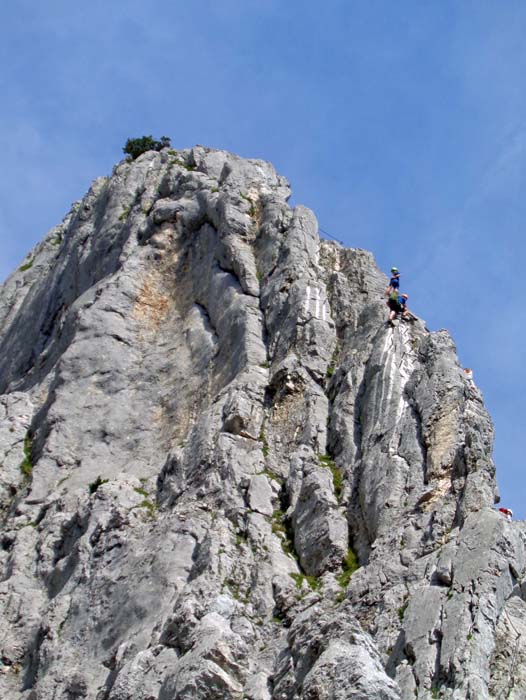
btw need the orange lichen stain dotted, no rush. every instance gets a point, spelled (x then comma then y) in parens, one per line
(152, 304)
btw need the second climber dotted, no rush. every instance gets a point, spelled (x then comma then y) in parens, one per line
(397, 304)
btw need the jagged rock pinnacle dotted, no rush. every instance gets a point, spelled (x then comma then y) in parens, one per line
(225, 477)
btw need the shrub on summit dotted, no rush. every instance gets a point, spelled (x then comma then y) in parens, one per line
(136, 147)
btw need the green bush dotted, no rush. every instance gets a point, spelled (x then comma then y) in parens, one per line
(93, 487)
(136, 147)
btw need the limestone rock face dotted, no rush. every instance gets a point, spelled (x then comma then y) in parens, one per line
(223, 476)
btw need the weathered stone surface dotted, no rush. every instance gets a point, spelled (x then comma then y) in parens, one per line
(331, 658)
(320, 527)
(260, 495)
(203, 418)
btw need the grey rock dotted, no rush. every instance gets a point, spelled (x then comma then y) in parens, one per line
(332, 658)
(260, 495)
(206, 427)
(320, 527)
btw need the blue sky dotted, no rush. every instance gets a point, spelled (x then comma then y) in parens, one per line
(401, 124)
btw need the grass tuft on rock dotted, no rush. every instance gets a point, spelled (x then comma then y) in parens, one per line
(313, 581)
(272, 475)
(331, 367)
(401, 611)
(27, 266)
(26, 467)
(124, 214)
(149, 506)
(337, 476)
(263, 439)
(349, 566)
(281, 526)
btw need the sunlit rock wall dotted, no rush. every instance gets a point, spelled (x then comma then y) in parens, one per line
(224, 477)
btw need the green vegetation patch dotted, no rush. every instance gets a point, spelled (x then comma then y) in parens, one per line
(349, 566)
(26, 467)
(136, 147)
(263, 439)
(241, 539)
(27, 266)
(281, 526)
(337, 476)
(184, 165)
(252, 212)
(313, 581)
(340, 597)
(236, 591)
(331, 367)
(271, 475)
(401, 611)
(149, 506)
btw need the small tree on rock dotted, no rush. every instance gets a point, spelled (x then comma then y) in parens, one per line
(136, 147)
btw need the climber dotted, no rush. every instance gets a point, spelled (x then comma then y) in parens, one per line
(394, 282)
(507, 513)
(397, 305)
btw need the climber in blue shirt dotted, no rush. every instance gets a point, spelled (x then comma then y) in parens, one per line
(397, 305)
(394, 281)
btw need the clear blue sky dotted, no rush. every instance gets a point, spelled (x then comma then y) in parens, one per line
(401, 124)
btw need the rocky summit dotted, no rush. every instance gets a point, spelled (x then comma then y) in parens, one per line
(225, 477)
